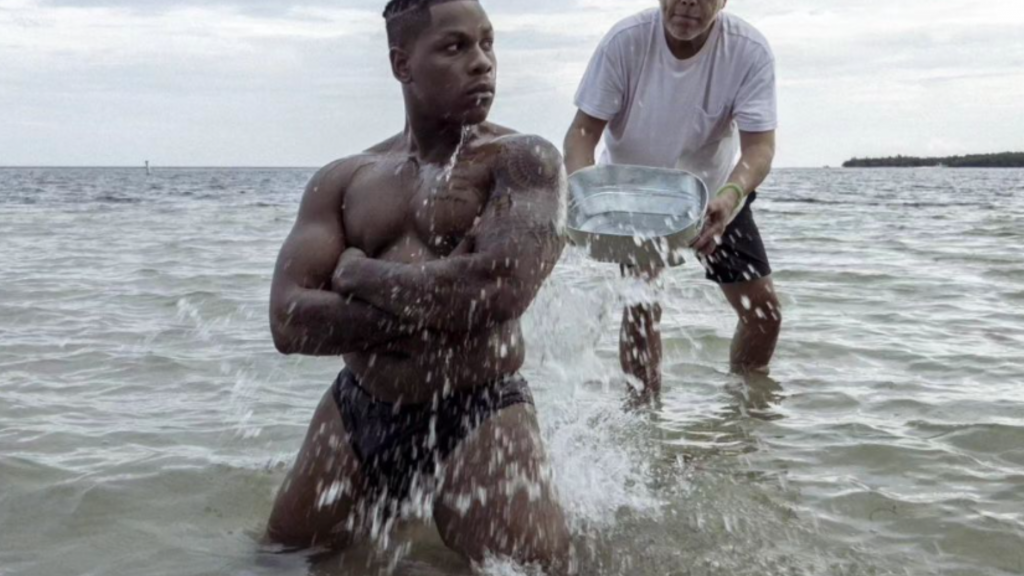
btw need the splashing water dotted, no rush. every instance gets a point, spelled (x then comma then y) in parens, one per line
(246, 384)
(446, 173)
(126, 402)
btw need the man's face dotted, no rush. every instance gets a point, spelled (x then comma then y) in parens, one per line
(452, 63)
(687, 20)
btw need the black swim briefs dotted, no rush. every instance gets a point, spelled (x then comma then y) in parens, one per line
(397, 444)
(741, 257)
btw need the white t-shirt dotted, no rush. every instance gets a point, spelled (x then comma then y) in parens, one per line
(684, 114)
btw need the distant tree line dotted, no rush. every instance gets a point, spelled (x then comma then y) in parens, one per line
(1003, 160)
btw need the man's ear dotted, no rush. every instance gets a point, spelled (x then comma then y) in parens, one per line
(400, 65)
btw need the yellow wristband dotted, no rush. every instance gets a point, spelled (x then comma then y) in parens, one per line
(741, 195)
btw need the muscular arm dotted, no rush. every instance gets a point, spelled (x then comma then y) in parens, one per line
(306, 317)
(516, 244)
(581, 141)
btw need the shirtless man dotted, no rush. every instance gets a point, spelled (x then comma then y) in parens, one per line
(415, 261)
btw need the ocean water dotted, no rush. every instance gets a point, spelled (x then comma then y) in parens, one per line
(146, 420)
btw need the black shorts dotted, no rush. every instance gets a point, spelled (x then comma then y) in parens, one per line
(399, 446)
(741, 257)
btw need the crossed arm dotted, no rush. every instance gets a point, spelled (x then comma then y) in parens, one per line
(514, 247)
(306, 316)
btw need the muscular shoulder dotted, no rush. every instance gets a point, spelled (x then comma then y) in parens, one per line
(326, 189)
(527, 161)
(336, 176)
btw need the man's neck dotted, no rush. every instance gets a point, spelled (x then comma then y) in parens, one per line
(432, 141)
(686, 49)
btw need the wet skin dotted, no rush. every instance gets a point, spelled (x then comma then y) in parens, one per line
(415, 261)
(441, 212)
(453, 325)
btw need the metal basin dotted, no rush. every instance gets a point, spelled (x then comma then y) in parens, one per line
(636, 215)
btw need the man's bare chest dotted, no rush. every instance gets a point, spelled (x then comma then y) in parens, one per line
(393, 203)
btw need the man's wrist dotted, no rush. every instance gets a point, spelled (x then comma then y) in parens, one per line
(732, 189)
(741, 194)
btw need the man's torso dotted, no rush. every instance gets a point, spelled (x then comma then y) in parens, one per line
(677, 113)
(399, 210)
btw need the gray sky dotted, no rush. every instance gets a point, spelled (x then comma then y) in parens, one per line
(279, 83)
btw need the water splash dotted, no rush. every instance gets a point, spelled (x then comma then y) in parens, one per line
(245, 382)
(446, 173)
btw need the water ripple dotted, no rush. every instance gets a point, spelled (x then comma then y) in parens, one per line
(147, 419)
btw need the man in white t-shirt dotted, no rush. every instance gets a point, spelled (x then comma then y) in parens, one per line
(690, 87)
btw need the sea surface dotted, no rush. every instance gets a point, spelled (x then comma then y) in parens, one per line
(146, 420)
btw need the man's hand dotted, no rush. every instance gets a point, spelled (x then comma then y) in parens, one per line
(350, 255)
(356, 269)
(758, 152)
(347, 273)
(720, 213)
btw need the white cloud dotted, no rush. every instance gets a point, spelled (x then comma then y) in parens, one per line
(272, 83)
(29, 29)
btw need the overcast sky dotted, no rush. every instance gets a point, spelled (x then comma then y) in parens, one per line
(298, 83)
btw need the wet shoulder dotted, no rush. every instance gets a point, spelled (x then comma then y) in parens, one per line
(326, 189)
(331, 181)
(527, 161)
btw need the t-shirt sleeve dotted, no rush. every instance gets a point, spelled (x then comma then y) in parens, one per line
(603, 87)
(756, 108)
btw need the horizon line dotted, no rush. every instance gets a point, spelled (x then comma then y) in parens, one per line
(246, 167)
(152, 167)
